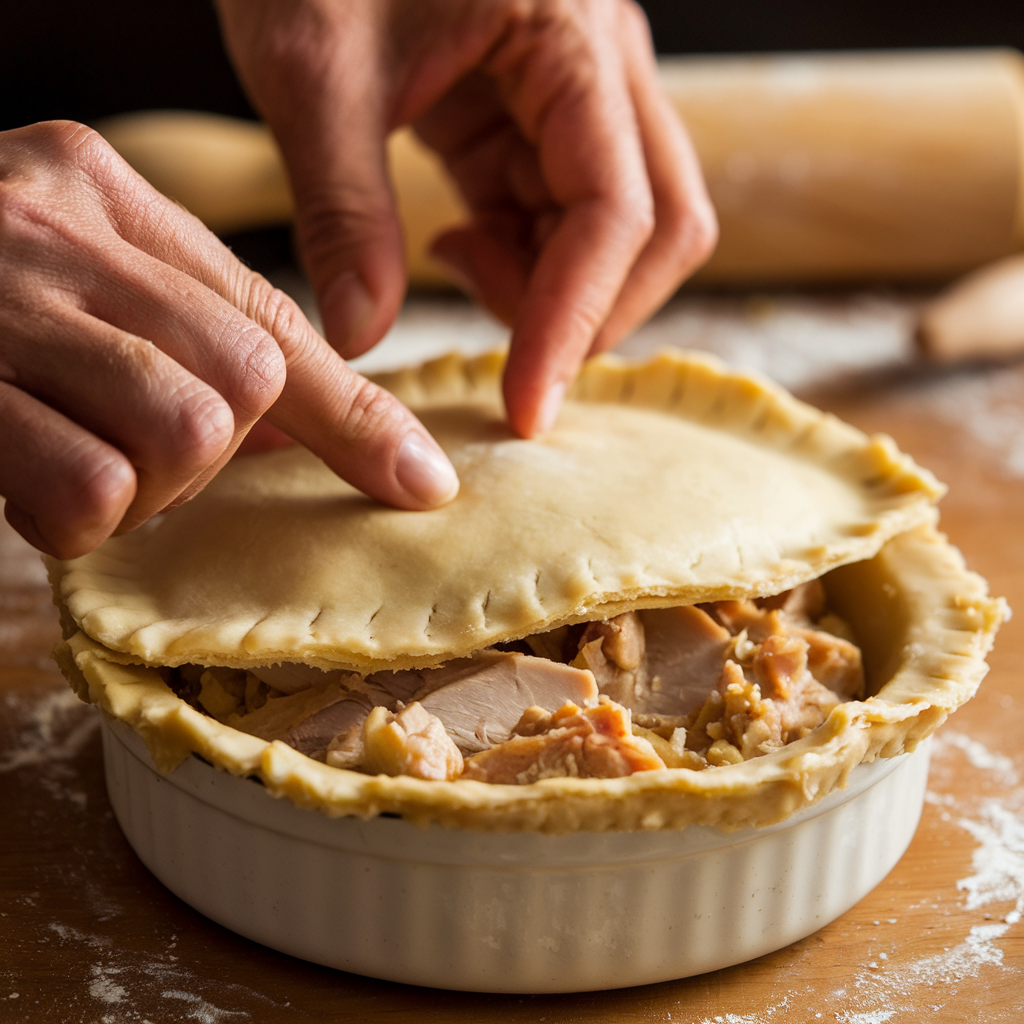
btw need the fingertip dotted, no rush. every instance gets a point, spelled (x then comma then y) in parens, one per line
(25, 524)
(425, 473)
(550, 405)
(532, 409)
(350, 315)
(55, 538)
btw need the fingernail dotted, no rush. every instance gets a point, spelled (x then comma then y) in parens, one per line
(548, 411)
(347, 309)
(425, 472)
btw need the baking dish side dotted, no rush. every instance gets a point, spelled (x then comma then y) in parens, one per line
(521, 912)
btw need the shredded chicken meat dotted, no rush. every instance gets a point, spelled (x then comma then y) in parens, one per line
(689, 687)
(584, 743)
(413, 742)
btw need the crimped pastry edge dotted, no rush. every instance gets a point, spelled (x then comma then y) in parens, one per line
(946, 624)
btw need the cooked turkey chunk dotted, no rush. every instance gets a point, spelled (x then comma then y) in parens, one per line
(480, 707)
(413, 742)
(584, 743)
(657, 662)
(478, 700)
(306, 720)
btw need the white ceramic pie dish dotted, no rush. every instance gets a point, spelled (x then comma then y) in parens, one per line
(507, 912)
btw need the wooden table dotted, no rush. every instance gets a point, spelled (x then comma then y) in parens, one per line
(88, 935)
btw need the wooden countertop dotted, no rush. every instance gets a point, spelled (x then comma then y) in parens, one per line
(88, 935)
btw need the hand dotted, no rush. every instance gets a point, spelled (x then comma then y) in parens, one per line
(136, 352)
(588, 207)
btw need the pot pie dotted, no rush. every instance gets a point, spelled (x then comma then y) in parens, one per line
(696, 601)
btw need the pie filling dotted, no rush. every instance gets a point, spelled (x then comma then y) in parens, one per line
(697, 686)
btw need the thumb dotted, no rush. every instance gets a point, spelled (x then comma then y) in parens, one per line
(318, 78)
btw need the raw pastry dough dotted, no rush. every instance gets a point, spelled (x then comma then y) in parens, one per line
(663, 484)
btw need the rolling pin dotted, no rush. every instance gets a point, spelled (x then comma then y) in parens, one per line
(824, 168)
(978, 317)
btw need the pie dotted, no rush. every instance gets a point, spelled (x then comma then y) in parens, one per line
(697, 600)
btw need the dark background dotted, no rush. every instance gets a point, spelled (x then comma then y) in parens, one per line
(85, 59)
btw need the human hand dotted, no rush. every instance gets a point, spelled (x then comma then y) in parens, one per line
(588, 207)
(136, 352)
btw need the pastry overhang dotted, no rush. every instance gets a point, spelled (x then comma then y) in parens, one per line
(670, 483)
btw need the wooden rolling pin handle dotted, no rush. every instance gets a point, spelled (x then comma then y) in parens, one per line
(979, 317)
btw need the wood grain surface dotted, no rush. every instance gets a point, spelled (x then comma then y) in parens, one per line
(88, 935)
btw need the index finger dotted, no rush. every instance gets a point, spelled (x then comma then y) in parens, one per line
(570, 96)
(362, 432)
(365, 434)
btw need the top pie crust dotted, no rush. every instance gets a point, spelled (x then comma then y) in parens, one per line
(667, 483)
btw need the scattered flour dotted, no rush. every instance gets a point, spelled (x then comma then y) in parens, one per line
(59, 725)
(50, 730)
(740, 1018)
(998, 866)
(980, 756)
(797, 340)
(103, 988)
(199, 1009)
(985, 403)
(763, 1016)
(119, 981)
(68, 934)
(964, 960)
(871, 1017)
(998, 861)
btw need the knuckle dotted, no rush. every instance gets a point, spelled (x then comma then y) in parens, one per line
(333, 228)
(633, 211)
(277, 313)
(644, 218)
(86, 147)
(275, 327)
(264, 374)
(705, 231)
(203, 427)
(585, 316)
(258, 375)
(102, 485)
(694, 230)
(367, 409)
(59, 139)
(49, 150)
